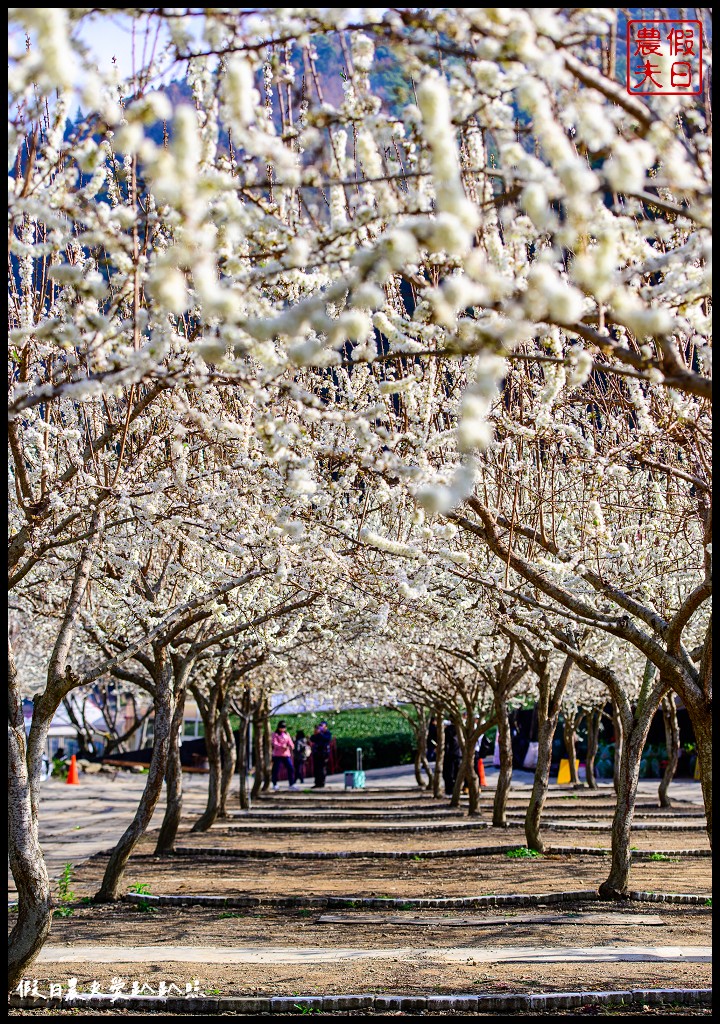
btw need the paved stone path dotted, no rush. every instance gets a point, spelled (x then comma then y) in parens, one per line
(488, 922)
(314, 955)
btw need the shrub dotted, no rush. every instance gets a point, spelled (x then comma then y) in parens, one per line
(385, 738)
(378, 752)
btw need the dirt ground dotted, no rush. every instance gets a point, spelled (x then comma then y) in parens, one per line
(386, 976)
(121, 924)
(450, 876)
(273, 837)
(369, 876)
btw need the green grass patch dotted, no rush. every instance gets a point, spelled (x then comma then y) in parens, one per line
(521, 852)
(65, 892)
(143, 889)
(662, 856)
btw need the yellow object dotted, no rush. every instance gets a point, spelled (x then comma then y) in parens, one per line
(696, 774)
(564, 771)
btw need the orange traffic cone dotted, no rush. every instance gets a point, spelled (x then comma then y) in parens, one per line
(481, 771)
(73, 777)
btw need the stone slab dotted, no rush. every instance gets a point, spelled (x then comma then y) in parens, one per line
(487, 922)
(316, 955)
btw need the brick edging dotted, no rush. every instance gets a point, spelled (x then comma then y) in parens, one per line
(462, 851)
(412, 903)
(220, 851)
(598, 851)
(370, 1001)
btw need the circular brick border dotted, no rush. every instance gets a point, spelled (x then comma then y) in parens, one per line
(376, 1003)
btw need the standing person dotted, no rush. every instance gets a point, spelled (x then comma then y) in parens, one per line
(303, 750)
(431, 743)
(282, 753)
(477, 755)
(321, 753)
(452, 759)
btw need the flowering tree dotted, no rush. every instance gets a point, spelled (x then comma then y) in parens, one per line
(430, 344)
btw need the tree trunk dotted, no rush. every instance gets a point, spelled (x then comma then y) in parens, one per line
(672, 746)
(27, 864)
(700, 712)
(437, 781)
(266, 751)
(594, 718)
(164, 710)
(473, 783)
(212, 745)
(417, 763)
(460, 779)
(615, 886)
(421, 761)
(229, 763)
(257, 755)
(506, 764)
(245, 798)
(173, 783)
(533, 815)
(619, 740)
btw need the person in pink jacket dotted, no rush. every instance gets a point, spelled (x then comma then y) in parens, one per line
(282, 753)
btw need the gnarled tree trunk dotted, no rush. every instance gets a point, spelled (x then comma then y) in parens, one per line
(24, 768)
(257, 754)
(533, 815)
(548, 711)
(619, 740)
(420, 763)
(266, 750)
(699, 708)
(504, 779)
(229, 763)
(635, 727)
(173, 782)
(244, 795)
(212, 746)
(628, 775)
(703, 738)
(473, 783)
(27, 864)
(164, 710)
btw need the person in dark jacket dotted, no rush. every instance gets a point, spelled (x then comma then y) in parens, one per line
(302, 752)
(432, 739)
(320, 740)
(452, 758)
